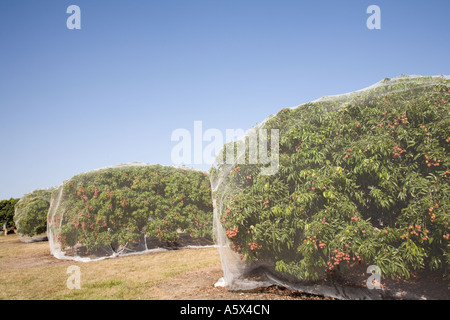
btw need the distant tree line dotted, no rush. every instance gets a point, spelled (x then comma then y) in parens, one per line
(7, 213)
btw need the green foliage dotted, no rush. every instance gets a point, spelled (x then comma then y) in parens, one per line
(7, 212)
(31, 212)
(118, 207)
(363, 179)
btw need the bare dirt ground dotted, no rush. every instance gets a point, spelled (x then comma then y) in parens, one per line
(29, 271)
(198, 285)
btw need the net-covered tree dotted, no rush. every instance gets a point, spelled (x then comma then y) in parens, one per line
(31, 213)
(119, 208)
(363, 179)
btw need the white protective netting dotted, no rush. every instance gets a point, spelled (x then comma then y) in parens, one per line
(346, 196)
(30, 215)
(129, 209)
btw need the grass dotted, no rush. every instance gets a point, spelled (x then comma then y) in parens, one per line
(9, 247)
(27, 271)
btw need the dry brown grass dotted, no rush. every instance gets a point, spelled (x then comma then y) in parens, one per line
(28, 271)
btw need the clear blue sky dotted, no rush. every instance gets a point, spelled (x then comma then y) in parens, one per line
(114, 91)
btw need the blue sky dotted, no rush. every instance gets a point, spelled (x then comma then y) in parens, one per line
(114, 91)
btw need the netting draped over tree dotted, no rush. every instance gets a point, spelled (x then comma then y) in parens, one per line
(30, 215)
(362, 187)
(129, 209)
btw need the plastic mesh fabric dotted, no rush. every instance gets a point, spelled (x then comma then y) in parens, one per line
(359, 204)
(30, 215)
(129, 209)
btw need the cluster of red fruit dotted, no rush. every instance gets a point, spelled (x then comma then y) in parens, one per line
(400, 120)
(110, 194)
(348, 152)
(403, 119)
(339, 257)
(159, 233)
(431, 214)
(432, 162)
(398, 151)
(81, 192)
(96, 192)
(313, 240)
(254, 245)
(426, 129)
(236, 170)
(416, 230)
(232, 232)
(99, 220)
(439, 104)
